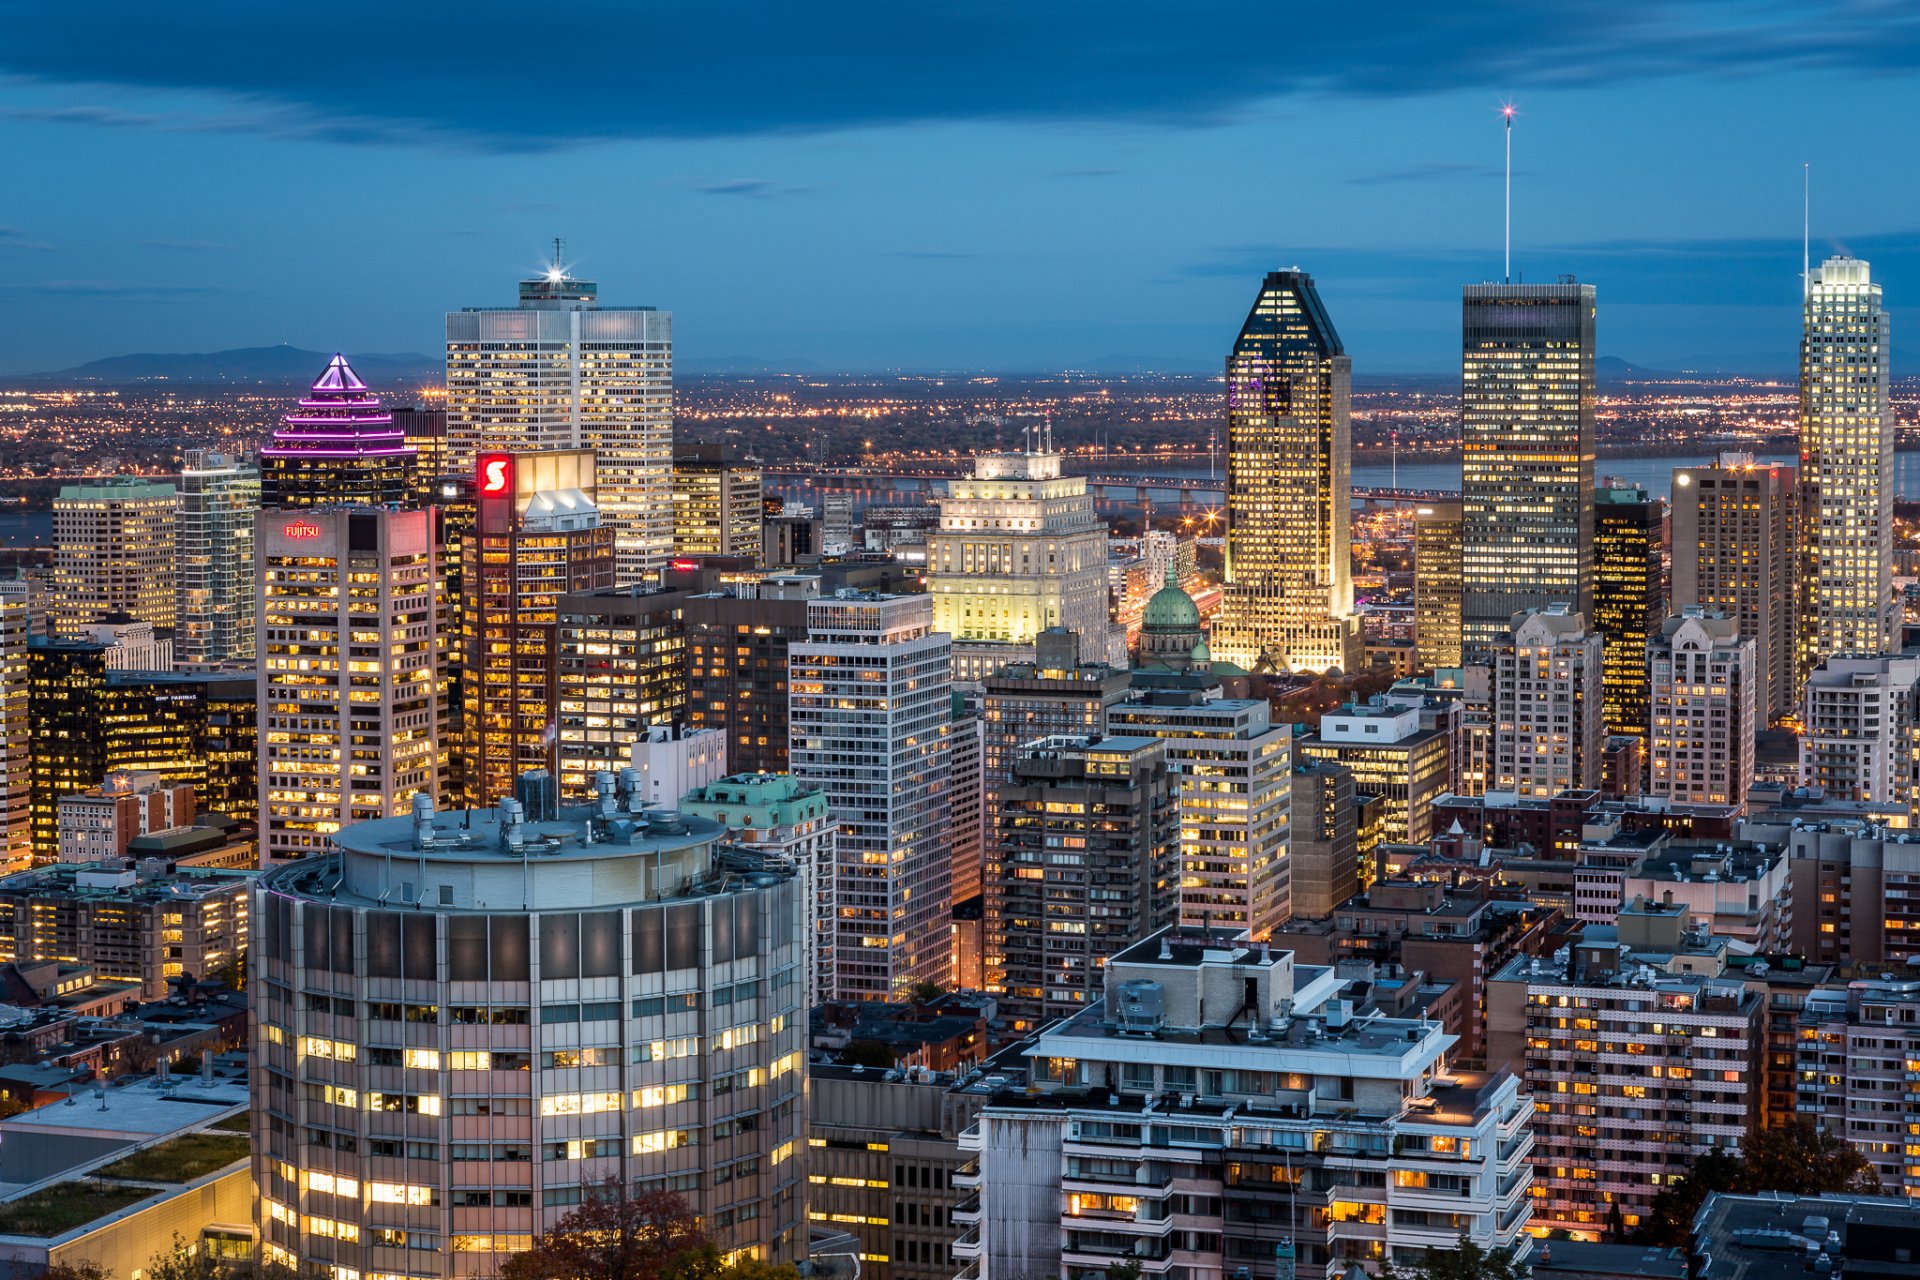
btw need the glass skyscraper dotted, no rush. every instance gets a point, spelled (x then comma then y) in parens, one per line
(1846, 447)
(338, 446)
(213, 540)
(1629, 605)
(560, 371)
(1289, 584)
(1527, 401)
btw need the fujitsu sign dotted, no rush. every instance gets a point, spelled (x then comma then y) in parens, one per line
(300, 529)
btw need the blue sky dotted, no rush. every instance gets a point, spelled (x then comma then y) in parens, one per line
(1015, 186)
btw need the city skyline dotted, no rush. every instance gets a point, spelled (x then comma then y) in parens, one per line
(789, 211)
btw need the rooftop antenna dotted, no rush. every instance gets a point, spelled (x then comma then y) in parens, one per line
(1506, 113)
(559, 263)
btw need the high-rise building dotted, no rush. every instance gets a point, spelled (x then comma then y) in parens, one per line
(869, 704)
(1436, 584)
(1289, 585)
(213, 549)
(339, 445)
(1855, 1041)
(1548, 731)
(736, 663)
(560, 371)
(620, 671)
(1846, 444)
(1736, 537)
(1019, 549)
(1393, 756)
(1705, 710)
(717, 507)
(1860, 729)
(424, 428)
(113, 552)
(1299, 1135)
(1326, 838)
(16, 742)
(1110, 801)
(967, 841)
(543, 1007)
(1527, 403)
(539, 536)
(1629, 602)
(1233, 769)
(348, 675)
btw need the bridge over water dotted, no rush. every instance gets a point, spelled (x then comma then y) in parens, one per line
(874, 487)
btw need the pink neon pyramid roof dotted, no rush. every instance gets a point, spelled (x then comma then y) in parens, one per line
(338, 376)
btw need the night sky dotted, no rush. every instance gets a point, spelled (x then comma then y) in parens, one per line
(1012, 186)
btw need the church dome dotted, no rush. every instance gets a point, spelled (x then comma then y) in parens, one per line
(1171, 609)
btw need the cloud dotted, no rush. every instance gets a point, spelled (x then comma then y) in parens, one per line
(752, 188)
(15, 238)
(750, 67)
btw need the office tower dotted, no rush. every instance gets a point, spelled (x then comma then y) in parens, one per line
(16, 743)
(339, 445)
(113, 550)
(456, 512)
(65, 732)
(778, 815)
(1860, 719)
(736, 663)
(1054, 695)
(869, 701)
(1289, 585)
(539, 537)
(1108, 799)
(1326, 838)
(1629, 604)
(347, 670)
(545, 1007)
(1526, 482)
(1436, 584)
(424, 428)
(1019, 549)
(1548, 732)
(619, 671)
(213, 549)
(562, 372)
(1233, 772)
(1392, 755)
(967, 841)
(716, 502)
(1619, 1111)
(1705, 704)
(1736, 533)
(791, 538)
(1846, 446)
(1315, 1098)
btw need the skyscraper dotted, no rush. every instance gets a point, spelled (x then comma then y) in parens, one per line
(1846, 446)
(1548, 732)
(1436, 584)
(870, 699)
(1736, 538)
(1527, 402)
(1700, 743)
(339, 445)
(562, 372)
(620, 671)
(717, 507)
(539, 537)
(213, 549)
(1289, 585)
(1628, 600)
(348, 677)
(1019, 549)
(16, 751)
(113, 549)
(736, 664)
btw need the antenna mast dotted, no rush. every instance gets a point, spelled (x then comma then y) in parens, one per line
(559, 268)
(1506, 113)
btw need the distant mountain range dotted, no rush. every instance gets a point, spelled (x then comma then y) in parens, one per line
(280, 366)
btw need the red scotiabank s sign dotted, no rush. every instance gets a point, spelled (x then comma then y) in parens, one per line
(496, 474)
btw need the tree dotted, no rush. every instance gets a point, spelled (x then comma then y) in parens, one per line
(1797, 1157)
(612, 1236)
(705, 1262)
(1128, 1270)
(1465, 1261)
(79, 1269)
(191, 1261)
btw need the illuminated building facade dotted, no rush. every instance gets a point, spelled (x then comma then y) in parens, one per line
(453, 1048)
(1846, 446)
(1629, 604)
(1391, 755)
(562, 372)
(1436, 584)
(424, 428)
(620, 670)
(16, 743)
(1860, 729)
(870, 698)
(539, 536)
(1705, 710)
(213, 541)
(1289, 585)
(1019, 549)
(1549, 734)
(339, 445)
(348, 670)
(717, 504)
(113, 552)
(1527, 402)
(736, 663)
(1736, 531)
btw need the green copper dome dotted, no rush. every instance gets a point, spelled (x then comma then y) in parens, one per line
(1171, 609)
